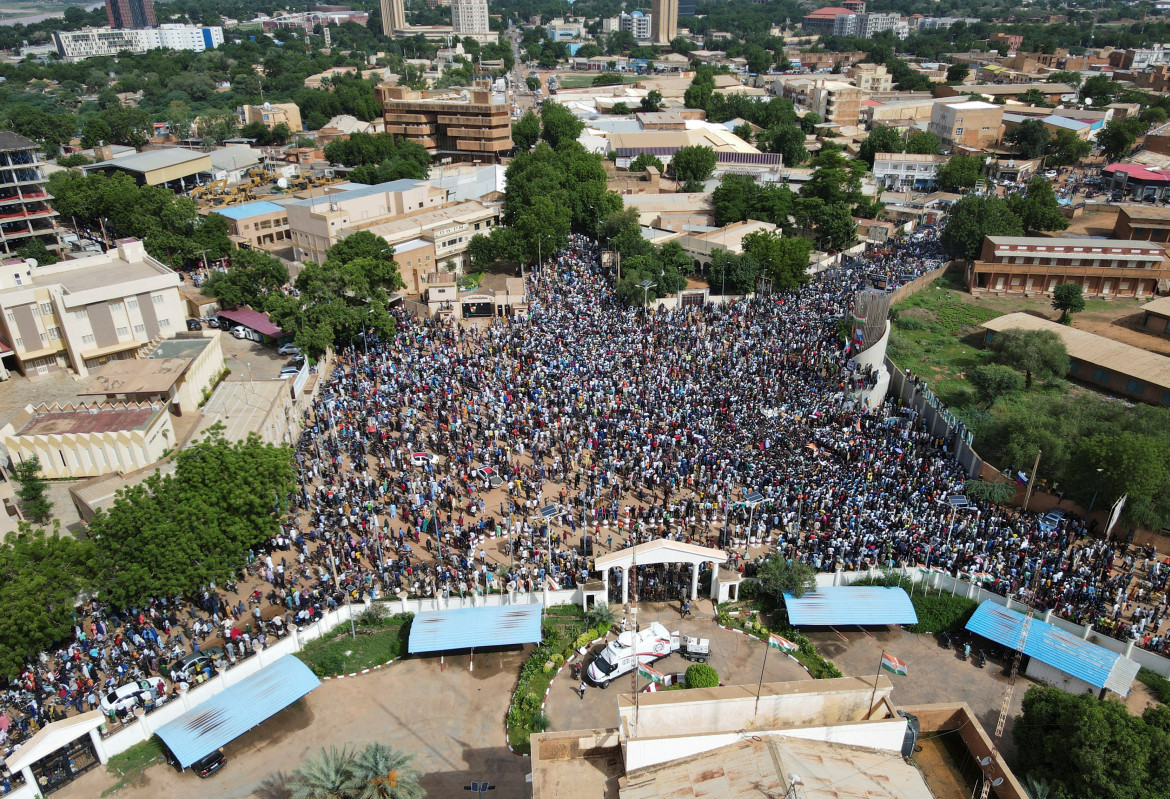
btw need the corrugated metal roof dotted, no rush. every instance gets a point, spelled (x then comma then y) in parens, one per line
(466, 628)
(253, 319)
(851, 605)
(231, 713)
(1051, 645)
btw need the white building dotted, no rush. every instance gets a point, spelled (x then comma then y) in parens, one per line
(470, 18)
(90, 42)
(906, 171)
(639, 24)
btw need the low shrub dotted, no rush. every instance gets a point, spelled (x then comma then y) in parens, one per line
(700, 675)
(1158, 684)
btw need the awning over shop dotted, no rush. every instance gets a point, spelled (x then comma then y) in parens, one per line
(231, 713)
(470, 628)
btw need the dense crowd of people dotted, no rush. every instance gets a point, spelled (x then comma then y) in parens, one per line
(506, 454)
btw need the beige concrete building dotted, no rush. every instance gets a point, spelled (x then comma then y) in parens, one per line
(972, 124)
(80, 314)
(664, 21)
(393, 17)
(257, 225)
(265, 407)
(173, 168)
(10, 515)
(871, 77)
(87, 440)
(446, 230)
(271, 115)
(459, 123)
(178, 371)
(832, 100)
(1105, 268)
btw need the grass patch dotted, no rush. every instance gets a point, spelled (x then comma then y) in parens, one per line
(129, 765)
(379, 638)
(1157, 684)
(936, 612)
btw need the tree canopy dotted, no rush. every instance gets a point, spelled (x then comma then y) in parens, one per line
(1036, 353)
(1068, 298)
(779, 576)
(972, 218)
(1037, 207)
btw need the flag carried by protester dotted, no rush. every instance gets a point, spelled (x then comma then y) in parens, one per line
(893, 665)
(781, 643)
(650, 674)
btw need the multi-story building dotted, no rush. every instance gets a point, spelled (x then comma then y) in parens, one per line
(80, 314)
(1012, 40)
(470, 18)
(131, 13)
(271, 115)
(1105, 268)
(25, 213)
(871, 77)
(838, 21)
(464, 124)
(972, 124)
(257, 225)
(664, 14)
(393, 17)
(639, 25)
(906, 171)
(90, 42)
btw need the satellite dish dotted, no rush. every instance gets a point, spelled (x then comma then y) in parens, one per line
(1088, 101)
(984, 761)
(998, 781)
(282, 183)
(31, 263)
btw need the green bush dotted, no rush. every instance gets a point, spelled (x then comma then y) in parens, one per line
(1158, 684)
(328, 664)
(909, 323)
(700, 675)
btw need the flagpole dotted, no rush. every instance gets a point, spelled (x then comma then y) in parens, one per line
(873, 695)
(760, 687)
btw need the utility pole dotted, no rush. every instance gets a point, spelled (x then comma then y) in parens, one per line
(1032, 479)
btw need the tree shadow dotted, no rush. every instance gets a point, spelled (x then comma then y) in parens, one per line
(275, 787)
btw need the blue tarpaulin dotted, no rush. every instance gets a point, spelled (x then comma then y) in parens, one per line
(848, 605)
(467, 628)
(231, 713)
(1053, 646)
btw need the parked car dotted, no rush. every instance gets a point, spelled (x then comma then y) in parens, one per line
(186, 667)
(1051, 520)
(132, 694)
(1050, 174)
(422, 458)
(213, 322)
(289, 370)
(194, 324)
(204, 766)
(289, 349)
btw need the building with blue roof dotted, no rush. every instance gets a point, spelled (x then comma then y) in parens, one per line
(257, 225)
(1054, 656)
(850, 606)
(473, 628)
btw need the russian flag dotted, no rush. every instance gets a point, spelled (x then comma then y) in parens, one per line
(1021, 478)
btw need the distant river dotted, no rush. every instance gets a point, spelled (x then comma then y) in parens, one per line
(31, 18)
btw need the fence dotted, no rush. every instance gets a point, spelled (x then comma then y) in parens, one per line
(939, 421)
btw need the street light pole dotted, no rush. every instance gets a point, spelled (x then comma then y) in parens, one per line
(1100, 477)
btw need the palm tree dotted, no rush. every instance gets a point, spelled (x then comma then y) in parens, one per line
(323, 777)
(379, 772)
(600, 614)
(1036, 787)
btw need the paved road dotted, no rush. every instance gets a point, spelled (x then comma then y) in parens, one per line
(449, 717)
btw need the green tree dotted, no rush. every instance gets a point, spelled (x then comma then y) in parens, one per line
(652, 101)
(960, 172)
(779, 576)
(526, 131)
(1117, 137)
(381, 772)
(36, 249)
(744, 131)
(608, 79)
(1037, 208)
(253, 278)
(785, 260)
(644, 160)
(620, 109)
(1029, 138)
(788, 140)
(326, 776)
(732, 274)
(34, 489)
(1071, 78)
(1100, 90)
(881, 139)
(700, 675)
(532, 83)
(695, 163)
(41, 576)
(1036, 353)
(733, 198)
(832, 224)
(1066, 148)
(1034, 97)
(923, 142)
(361, 244)
(95, 130)
(1068, 298)
(971, 219)
(218, 126)
(957, 73)
(992, 381)
(558, 124)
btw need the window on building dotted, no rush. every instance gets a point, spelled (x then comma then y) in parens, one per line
(47, 308)
(139, 328)
(1166, 397)
(132, 304)
(81, 314)
(1100, 375)
(16, 278)
(20, 344)
(36, 309)
(1135, 387)
(54, 333)
(87, 339)
(123, 332)
(157, 299)
(11, 317)
(164, 323)
(1073, 365)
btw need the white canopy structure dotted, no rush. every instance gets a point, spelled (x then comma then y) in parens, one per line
(662, 550)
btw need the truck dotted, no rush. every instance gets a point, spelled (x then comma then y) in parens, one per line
(622, 655)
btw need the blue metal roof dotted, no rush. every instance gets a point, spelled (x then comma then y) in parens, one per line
(466, 628)
(248, 210)
(1051, 645)
(860, 605)
(231, 713)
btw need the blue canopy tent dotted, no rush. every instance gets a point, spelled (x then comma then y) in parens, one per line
(469, 628)
(848, 605)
